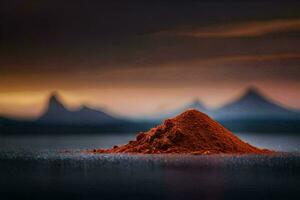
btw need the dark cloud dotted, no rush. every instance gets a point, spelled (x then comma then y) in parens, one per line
(37, 24)
(240, 30)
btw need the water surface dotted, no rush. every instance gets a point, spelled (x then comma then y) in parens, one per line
(37, 167)
(33, 143)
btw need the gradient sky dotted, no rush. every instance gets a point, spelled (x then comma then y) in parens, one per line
(139, 58)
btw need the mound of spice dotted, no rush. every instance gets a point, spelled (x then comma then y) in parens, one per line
(191, 132)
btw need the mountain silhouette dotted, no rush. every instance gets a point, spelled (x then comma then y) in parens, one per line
(57, 113)
(55, 105)
(254, 105)
(195, 104)
(251, 112)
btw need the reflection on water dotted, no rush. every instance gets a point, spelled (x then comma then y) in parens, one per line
(32, 143)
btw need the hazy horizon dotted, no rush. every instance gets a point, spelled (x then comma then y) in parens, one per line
(140, 110)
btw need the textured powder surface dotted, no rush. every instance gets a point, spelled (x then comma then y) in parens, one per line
(191, 132)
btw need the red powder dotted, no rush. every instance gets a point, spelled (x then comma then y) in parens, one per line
(191, 132)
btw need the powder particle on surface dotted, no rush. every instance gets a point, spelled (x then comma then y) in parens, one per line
(191, 132)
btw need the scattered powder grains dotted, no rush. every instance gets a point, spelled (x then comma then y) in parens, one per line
(191, 132)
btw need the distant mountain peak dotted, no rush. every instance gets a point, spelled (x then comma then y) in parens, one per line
(54, 96)
(196, 103)
(253, 104)
(253, 93)
(57, 113)
(253, 90)
(55, 102)
(84, 107)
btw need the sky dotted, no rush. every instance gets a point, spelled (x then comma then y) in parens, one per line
(143, 57)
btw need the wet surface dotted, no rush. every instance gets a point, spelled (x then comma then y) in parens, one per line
(76, 175)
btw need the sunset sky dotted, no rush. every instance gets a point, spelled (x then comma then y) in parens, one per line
(138, 58)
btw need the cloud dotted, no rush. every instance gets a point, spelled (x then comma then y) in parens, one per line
(267, 57)
(238, 30)
(240, 61)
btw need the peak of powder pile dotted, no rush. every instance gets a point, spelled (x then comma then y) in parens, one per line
(191, 132)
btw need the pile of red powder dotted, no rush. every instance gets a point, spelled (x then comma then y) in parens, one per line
(191, 132)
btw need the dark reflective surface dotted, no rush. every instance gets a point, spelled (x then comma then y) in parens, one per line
(37, 167)
(55, 175)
